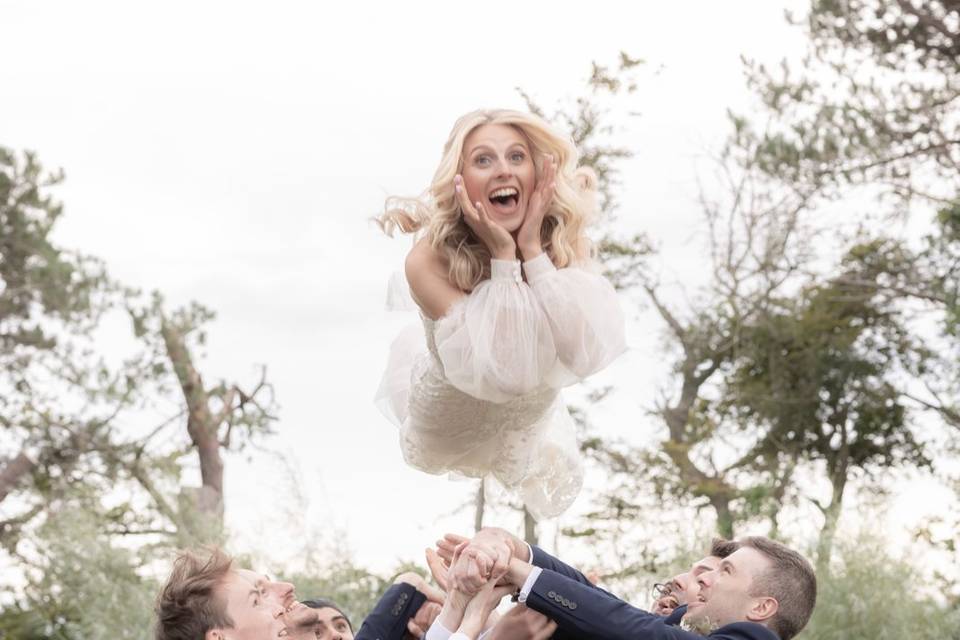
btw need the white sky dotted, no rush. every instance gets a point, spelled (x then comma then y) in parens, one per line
(232, 153)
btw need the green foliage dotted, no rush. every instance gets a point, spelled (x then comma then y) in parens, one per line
(80, 585)
(355, 589)
(79, 485)
(874, 595)
(38, 280)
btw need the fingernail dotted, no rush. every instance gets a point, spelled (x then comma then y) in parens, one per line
(456, 188)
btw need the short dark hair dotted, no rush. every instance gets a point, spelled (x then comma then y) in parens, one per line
(790, 579)
(721, 547)
(323, 603)
(188, 605)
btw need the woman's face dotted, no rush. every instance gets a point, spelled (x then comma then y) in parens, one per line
(498, 172)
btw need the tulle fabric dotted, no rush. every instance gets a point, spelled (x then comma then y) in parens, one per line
(476, 393)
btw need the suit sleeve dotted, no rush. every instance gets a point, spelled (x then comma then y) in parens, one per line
(585, 611)
(674, 618)
(388, 620)
(544, 560)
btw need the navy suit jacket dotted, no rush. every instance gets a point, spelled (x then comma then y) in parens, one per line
(581, 609)
(677, 615)
(388, 620)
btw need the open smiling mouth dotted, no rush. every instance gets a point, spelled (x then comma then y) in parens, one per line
(505, 198)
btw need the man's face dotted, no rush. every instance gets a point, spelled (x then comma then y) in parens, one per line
(724, 592)
(274, 592)
(303, 623)
(255, 604)
(300, 622)
(332, 625)
(685, 587)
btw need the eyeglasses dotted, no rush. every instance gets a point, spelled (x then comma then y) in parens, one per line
(662, 589)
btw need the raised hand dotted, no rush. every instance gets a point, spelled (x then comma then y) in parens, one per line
(521, 623)
(439, 568)
(528, 238)
(426, 614)
(448, 544)
(497, 239)
(481, 605)
(471, 569)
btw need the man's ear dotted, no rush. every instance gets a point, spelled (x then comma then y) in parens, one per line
(762, 610)
(213, 634)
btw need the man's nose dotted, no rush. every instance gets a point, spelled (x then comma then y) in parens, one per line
(283, 592)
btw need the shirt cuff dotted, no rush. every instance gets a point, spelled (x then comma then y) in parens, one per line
(538, 267)
(437, 632)
(529, 552)
(505, 270)
(460, 636)
(528, 584)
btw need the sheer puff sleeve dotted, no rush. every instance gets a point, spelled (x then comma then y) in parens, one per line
(496, 343)
(584, 314)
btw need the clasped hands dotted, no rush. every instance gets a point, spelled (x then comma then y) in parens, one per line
(477, 574)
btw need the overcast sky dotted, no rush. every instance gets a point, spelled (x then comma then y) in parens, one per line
(233, 152)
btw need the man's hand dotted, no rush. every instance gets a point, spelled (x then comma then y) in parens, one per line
(417, 625)
(438, 569)
(481, 605)
(472, 568)
(521, 623)
(416, 580)
(494, 537)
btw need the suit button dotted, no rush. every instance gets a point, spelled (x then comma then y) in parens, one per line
(565, 602)
(573, 605)
(551, 594)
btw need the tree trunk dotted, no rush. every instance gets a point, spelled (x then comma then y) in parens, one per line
(529, 527)
(14, 472)
(202, 426)
(721, 504)
(831, 517)
(481, 504)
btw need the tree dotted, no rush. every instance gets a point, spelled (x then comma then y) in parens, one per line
(96, 441)
(821, 375)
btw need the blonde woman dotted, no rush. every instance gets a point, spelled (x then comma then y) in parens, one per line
(512, 310)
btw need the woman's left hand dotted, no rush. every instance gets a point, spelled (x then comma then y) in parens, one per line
(528, 238)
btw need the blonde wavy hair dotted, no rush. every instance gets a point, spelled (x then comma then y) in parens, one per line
(438, 215)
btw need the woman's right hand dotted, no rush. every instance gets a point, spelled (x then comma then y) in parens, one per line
(498, 240)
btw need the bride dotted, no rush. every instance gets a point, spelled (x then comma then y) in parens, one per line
(476, 391)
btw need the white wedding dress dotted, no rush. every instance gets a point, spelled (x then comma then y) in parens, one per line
(476, 393)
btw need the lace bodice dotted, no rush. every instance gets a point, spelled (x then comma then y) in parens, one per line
(477, 392)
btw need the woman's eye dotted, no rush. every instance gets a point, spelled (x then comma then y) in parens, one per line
(483, 161)
(517, 157)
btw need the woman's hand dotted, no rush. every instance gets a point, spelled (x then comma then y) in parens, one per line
(528, 238)
(498, 240)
